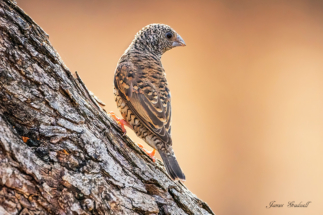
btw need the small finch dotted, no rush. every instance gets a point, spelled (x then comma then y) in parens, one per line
(142, 94)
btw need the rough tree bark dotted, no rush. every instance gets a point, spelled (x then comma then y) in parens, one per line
(59, 152)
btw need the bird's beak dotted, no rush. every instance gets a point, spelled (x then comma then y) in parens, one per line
(179, 41)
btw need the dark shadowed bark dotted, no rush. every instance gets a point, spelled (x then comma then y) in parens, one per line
(59, 152)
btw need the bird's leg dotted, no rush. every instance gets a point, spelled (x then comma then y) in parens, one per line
(121, 122)
(150, 154)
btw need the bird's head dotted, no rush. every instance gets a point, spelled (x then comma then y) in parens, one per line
(157, 39)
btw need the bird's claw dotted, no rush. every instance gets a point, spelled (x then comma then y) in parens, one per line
(151, 154)
(120, 122)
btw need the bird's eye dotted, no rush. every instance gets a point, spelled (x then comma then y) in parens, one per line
(169, 35)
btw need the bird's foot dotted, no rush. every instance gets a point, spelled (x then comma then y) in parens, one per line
(121, 122)
(151, 154)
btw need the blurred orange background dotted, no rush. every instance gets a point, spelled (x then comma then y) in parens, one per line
(247, 90)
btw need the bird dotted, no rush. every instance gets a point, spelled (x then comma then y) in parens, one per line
(142, 93)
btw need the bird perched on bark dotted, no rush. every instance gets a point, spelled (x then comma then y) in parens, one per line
(142, 94)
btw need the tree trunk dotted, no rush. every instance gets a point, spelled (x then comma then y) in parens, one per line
(60, 153)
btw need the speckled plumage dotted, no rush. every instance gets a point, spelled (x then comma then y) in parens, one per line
(142, 93)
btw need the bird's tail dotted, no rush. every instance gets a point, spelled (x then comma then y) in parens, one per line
(171, 164)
